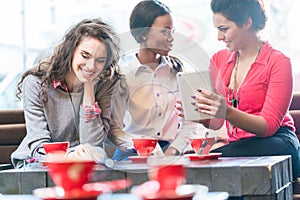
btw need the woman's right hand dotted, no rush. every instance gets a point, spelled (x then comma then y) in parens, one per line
(178, 107)
(219, 104)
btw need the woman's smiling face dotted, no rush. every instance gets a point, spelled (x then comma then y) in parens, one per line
(233, 36)
(89, 59)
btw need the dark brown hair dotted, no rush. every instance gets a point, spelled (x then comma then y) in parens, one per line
(239, 11)
(59, 63)
(143, 15)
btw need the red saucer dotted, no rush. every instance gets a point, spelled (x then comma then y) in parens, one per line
(210, 156)
(89, 191)
(53, 193)
(44, 162)
(138, 159)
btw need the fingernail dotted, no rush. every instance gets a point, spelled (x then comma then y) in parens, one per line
(199, 90)
(194, 97)
(193, 103)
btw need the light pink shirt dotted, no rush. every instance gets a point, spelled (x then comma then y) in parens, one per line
(145, 107)
(266, 91)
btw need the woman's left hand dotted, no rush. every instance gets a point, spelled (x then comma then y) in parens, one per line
(210, 103)
(91, 83)
(89, 92)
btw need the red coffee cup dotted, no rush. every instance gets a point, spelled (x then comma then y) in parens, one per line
(170, 177)
(168, 171)
(70, 174)
(144, 146)
(198, 143)
(56, 147)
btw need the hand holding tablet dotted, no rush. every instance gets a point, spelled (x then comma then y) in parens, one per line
(188, 84)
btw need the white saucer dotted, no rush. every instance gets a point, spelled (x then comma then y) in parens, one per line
(183, 192)
(55, 193)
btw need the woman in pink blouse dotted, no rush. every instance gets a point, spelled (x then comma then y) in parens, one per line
(253, 83)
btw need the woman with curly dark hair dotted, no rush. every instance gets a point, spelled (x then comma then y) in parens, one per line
(67, 95)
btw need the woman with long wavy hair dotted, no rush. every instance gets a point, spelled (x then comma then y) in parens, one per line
(67, 95)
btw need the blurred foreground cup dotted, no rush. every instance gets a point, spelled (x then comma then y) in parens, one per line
(168, 171)
(70, 174)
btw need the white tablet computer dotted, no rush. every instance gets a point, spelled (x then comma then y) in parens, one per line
(188, 83)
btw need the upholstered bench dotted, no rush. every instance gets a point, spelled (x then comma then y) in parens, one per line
(295, 111)
(12, 131)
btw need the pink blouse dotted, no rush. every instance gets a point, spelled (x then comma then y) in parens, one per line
(266, 91)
